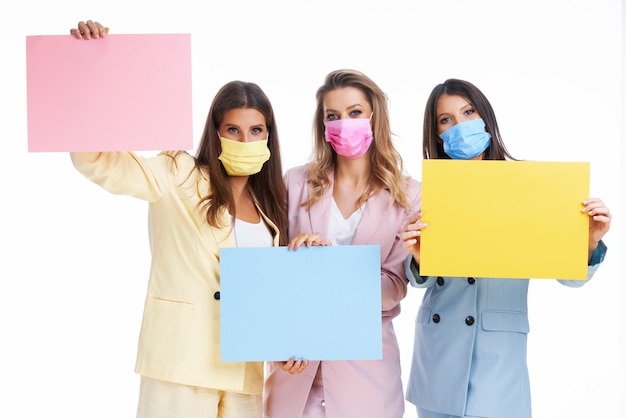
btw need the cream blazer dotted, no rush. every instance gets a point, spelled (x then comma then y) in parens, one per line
(180, 333)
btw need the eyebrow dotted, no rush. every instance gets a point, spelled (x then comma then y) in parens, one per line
(234, 125)
(351, 107)
(462, 108)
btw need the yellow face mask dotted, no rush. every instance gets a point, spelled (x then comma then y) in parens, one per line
(243, 158)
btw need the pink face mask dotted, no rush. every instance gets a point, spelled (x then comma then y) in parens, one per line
(349, 137)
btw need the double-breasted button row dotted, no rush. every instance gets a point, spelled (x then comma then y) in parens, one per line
(441, 281)
(469, 320)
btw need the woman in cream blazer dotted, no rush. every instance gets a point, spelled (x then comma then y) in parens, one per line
(194, 208)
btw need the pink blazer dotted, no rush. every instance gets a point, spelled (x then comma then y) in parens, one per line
(362, 389)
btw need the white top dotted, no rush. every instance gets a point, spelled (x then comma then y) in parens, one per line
(341, 230)
(252, 235)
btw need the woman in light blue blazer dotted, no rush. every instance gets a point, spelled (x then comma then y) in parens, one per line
(469, 357)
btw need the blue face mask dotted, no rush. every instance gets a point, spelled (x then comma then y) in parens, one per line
(465, 140)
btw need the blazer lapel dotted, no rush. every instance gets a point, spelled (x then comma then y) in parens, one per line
(320, 212)
(373, 218)
(216, 237)
(222, 236)
(272, 225)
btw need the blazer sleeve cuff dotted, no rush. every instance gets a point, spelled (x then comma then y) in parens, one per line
(413, 275)
(594, 264)
(598, 255)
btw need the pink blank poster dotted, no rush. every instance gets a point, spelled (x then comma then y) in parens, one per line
(118, 93)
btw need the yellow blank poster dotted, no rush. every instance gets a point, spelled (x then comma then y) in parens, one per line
(504, 219)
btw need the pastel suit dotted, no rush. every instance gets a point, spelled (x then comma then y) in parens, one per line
(469, 355)
(179, 340)
(351, 388)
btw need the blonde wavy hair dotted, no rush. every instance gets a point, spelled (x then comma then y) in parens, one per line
(385, 161)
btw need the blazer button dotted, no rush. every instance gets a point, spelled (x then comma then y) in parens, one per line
(440, 281)
(216, 295)
(469, 320)
(471, 280)
(436, 318)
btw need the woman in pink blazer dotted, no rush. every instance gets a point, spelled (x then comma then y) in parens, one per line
(354, 192)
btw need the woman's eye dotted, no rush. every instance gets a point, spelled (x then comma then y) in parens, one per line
(257, 130)
(469, 112)
(443, 121)
(233, 130)
(355, 113)
(332, 116)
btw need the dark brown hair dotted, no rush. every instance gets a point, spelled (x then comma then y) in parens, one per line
(267, 186)
(432, 144)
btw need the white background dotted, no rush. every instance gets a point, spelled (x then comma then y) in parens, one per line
(75, 258)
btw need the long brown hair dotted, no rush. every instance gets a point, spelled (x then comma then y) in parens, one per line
(385, 161)
(267, 186)
(432, 144)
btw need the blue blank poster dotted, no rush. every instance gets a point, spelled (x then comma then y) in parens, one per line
(316, 303)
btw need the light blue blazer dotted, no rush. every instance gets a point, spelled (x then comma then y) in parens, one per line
(469, 354)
